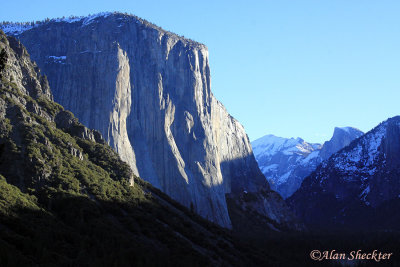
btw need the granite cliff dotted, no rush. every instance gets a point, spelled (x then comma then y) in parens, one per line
(342, 137)
(148, 92)
(66, 197)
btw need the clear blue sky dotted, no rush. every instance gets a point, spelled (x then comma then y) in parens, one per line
(289, 68)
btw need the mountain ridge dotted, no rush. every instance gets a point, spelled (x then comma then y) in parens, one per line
(358, 183)
(16, 28)
(285, 162)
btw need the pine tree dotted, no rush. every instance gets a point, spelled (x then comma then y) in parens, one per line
(3, 61)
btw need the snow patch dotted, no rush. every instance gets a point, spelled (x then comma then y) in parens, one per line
(89, 51)
(268, 168)
(311, 156)
(284, 178)
(270, 145)
(67, 20)
(362, 157)
(90, 19)
(16, 28)
(346, 129)
(58, 59)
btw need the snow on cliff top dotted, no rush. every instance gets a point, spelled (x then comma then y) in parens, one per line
(271, 144)
(15, 28)
(18, 28)
(346, 129)
(351, 130)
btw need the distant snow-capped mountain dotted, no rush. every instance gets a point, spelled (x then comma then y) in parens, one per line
(359, 186)
(285, 162)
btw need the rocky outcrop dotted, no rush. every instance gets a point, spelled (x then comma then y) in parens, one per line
(67, 121)
(21, 73)
(342, 137)
(286, 162)
(358, 187)
(26, 101)
(148, 91)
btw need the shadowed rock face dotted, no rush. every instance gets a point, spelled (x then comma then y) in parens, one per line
(148, 92)
(342, 137)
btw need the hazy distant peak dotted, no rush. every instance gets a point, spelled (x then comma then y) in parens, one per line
(348, 129)
(285, 162)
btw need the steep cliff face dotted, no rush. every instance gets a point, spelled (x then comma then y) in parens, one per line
(148, 92)
(342, 137)
(286, 162)
(356, 187)
(65, 196)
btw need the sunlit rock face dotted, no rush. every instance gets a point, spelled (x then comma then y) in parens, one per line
(148, 91)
